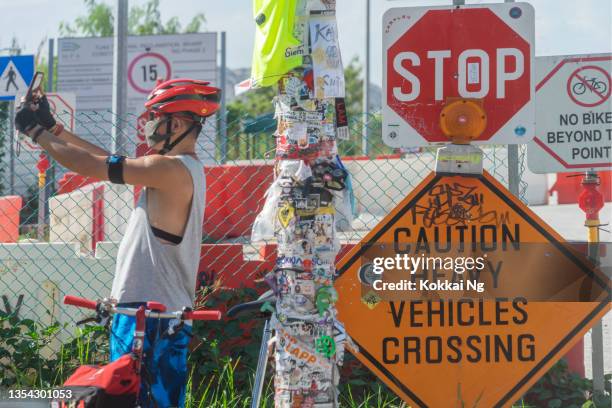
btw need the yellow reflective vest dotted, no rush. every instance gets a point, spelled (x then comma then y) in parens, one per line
(276, 50)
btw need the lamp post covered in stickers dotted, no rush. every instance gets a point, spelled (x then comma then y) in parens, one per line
(296, 49)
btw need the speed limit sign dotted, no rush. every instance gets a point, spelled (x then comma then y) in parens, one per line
(146, 70)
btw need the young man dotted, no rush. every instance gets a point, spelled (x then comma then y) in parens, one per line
(159, 254)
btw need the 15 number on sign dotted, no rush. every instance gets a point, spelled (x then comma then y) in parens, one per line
(149, 72)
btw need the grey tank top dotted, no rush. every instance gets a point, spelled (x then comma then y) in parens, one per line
(149, 270)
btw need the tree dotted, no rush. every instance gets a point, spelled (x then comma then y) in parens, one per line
(142, 20)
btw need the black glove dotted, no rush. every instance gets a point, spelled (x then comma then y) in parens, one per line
(43, 113)
(25, 118)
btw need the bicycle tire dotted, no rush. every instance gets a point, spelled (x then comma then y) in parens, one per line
(578, 85)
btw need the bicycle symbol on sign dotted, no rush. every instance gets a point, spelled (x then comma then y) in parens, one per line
(589, 86)
(592, 85)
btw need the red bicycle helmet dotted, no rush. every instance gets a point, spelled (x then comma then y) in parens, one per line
(179, 96)
(184, 95)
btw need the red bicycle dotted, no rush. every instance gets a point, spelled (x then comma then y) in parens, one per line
(117, 384)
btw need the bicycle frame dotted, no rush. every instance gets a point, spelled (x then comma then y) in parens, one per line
(104, 308)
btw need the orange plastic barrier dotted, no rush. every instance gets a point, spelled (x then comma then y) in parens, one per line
(9, 218)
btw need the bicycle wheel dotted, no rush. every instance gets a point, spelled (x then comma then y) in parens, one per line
(579, 88)
(600, 87)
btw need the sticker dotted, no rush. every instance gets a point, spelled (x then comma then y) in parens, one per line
(325, 272)
(292, 86)
(326, 296)
(285, 214)
(304, 287)
(282, 106)
(313, 119)
(298, 350)
(289, 262)
(297, 131)
(371, 299)
(321, 5)
(325, 345)
(473, 73)
(327, 62)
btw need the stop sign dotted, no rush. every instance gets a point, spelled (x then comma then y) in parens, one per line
(435, 53)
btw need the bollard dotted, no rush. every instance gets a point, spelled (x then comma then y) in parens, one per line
(591, 202)
(42, 166)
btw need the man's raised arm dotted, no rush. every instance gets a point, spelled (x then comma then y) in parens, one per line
(151, 171)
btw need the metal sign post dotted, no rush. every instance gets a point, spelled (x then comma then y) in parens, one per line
(223, 110)
(120, 77)
(365, 148)
(11, 132)
(50, 188)
(16, 72)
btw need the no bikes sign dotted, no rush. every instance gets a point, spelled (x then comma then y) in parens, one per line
(574, 111)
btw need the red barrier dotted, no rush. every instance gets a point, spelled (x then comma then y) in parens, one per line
(568, 186)
(225, 264)
(9, 218)
(71, 181)
(234, 197)
(575, 359)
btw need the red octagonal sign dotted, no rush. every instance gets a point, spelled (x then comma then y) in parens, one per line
(480, 52)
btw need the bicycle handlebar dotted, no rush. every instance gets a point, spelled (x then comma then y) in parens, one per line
(80, 302)
(203, 315)
(187, 315)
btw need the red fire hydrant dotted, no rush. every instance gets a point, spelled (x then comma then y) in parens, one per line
(42, 166)
(590, 199)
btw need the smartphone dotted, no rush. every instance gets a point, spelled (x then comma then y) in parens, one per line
(35, 85)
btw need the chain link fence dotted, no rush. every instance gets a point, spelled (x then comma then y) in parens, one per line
(85, 219)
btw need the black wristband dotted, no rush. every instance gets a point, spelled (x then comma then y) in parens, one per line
(115, 168)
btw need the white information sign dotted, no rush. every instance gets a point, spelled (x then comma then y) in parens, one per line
(85, 67)
(573, 114)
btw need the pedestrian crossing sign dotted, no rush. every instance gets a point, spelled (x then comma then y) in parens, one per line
(16, 73)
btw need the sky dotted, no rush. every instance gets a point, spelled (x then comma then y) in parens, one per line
(562, 26)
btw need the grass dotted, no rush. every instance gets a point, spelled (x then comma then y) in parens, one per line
(215, 380)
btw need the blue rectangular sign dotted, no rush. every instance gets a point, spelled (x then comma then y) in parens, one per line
(16, 73)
